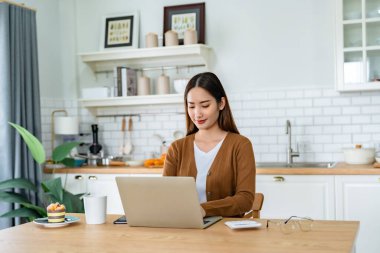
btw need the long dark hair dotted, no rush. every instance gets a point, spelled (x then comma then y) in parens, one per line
(211, 83)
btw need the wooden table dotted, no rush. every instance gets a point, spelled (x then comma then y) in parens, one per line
(326, 236)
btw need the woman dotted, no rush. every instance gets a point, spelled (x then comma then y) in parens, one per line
(213, 151)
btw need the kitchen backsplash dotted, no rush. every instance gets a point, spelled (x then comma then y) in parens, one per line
(323, 122)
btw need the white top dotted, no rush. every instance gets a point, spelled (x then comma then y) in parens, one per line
(203, 161)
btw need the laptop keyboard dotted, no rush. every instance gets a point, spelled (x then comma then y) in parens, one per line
(205, 222)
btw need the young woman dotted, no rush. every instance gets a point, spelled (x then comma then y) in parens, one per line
(213, 151)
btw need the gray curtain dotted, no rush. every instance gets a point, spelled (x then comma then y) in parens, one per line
(19, 97)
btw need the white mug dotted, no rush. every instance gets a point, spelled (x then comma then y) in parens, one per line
(95, 208)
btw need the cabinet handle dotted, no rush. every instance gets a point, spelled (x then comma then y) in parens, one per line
(92, 178)
(278, 179)
(78, 177)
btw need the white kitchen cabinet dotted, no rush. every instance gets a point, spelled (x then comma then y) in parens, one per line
(358, 45)
(287, 195)
(358, 198)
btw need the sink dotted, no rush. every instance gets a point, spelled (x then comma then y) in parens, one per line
(325, 165)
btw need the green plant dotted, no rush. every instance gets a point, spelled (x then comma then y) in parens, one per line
(52, 189)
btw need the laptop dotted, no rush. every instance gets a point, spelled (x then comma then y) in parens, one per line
(170, 202)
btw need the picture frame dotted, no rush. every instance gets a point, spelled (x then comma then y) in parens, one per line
(182, 17)
(120, 31)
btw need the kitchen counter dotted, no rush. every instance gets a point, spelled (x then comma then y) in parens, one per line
(339, 169)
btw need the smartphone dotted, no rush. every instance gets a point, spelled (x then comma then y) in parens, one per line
(121, 220)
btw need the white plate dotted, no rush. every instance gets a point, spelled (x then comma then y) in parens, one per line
(136, 163)
(44, 222)
(239, 224)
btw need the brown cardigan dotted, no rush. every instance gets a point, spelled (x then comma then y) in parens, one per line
(230, 184)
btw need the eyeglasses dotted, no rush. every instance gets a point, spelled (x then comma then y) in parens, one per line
(292, 224)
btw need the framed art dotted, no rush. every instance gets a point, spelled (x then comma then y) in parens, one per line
(179, 18)
(120, 31)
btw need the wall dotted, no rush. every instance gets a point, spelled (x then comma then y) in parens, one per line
(323, 122)
(255, 43)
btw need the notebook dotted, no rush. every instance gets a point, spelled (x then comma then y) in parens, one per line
(170, 202)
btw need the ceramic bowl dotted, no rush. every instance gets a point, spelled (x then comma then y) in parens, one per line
(359, 155)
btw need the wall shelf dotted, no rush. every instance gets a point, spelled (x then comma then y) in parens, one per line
(139, 58)
(133, 101)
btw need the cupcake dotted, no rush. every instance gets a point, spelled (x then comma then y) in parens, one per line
(56, 212)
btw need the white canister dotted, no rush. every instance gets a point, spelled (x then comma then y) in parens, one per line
(171, 38)
(151, 40)
(190, 37)
(163, 84)
(143, 86)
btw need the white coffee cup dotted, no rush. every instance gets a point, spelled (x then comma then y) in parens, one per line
(95, 208)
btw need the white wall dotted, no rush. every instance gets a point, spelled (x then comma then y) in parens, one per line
(255, 43)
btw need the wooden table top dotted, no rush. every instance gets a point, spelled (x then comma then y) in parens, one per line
(339, 169)
(326, 236)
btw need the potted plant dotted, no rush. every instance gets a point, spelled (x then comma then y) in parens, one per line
(52, 190)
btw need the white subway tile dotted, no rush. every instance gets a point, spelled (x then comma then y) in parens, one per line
(322, 120)
(294, 112)
(342, 138)
(323, 138)
(352, 129)
(257, 113)
(376, 119)
(362, 119)
(322, 101)
(375, 100)
(361, 138)
(324, 157)
(267, 139)
(352, 110)
(313, 111)
(278, 148)
(260, 148)
(304, 102)
(374, 109)
(332, 129)
(341, 101)
(313, 130)
(285, 103)
(329, 148)
(276, 112)
(361, 100)
(303, 121)
(332, 111)
(371, 128)
(341, 120)
(269, 157)
(260, 131)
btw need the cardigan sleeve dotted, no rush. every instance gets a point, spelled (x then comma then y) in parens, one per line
(171, 161)
(242, 200)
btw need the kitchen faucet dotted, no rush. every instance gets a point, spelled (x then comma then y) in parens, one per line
(290, 152)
